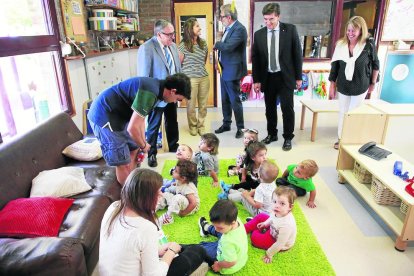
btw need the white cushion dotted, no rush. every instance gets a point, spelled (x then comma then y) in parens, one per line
(62, 182)
(87, 149)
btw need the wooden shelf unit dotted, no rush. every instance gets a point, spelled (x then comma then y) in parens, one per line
(103, 6)
(402, 225)
(370, 122)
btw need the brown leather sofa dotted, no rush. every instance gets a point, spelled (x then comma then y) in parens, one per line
(75, 250)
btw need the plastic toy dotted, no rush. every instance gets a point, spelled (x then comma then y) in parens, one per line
(410, 189)
(397, 168)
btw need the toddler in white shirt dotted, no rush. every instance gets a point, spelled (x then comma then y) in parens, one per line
(260, 199)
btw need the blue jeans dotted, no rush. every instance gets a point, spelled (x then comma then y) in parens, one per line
(211, 247)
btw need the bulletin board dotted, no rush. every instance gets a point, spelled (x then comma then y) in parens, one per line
(398, 83)
(73, 14)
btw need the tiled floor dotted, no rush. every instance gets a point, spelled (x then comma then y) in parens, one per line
(354, 242)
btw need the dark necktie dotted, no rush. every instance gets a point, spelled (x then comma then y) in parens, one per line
(169, 60)
(273, 66)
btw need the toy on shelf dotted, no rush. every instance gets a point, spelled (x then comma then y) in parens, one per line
(404, 176)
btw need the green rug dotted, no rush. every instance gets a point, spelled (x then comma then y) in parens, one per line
(305, 258)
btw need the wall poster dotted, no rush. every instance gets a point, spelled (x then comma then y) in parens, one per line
(398, 83)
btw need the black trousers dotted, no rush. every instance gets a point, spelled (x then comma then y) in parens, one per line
(188, 260)
(276, 88)
(284, 182)
(171, 127)
(247, 185)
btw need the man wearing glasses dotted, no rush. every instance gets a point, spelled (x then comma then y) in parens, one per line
(158, 58)
(232, 58)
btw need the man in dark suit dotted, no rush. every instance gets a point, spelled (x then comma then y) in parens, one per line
(277, 71)
(232, 59)
(158, 58)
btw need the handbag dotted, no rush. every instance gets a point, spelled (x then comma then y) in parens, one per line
(371, 49)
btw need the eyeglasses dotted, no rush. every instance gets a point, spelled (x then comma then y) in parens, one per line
(169, 34)
(250, 130)
(222, 16)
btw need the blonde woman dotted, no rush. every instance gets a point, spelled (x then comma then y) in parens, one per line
(354, 68)
(194, 55)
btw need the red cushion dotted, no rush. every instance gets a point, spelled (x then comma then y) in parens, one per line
(33, 217)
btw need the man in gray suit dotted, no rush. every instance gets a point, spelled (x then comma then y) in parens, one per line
(158, 58)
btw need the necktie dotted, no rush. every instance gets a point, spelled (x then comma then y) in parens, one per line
(169, 60)
(273, 66)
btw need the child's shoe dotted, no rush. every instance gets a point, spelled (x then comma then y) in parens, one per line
(222, 195)
(202, 222)
(248, 219)
(165, 219)
(232, 170)
(224, 187)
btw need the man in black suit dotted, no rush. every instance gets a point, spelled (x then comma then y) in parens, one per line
(277, 71)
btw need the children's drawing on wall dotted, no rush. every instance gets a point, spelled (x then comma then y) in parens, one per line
(314, 85)
(398, 78)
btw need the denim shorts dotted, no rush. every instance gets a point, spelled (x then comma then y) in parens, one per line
(116, 145)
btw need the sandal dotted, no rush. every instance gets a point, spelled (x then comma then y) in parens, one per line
(336, 145)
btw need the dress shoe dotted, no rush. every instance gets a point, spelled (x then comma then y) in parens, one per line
(269, 139)
(173, 148)
(239, 133)
(287, 145)
(152, 161)
(222, 129)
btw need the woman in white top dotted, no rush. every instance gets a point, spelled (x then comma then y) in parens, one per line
(132, 242)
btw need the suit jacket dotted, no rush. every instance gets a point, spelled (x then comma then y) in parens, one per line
(290, 55)
(152, 62)
(233, 53)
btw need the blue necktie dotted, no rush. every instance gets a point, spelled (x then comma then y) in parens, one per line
(169, 60)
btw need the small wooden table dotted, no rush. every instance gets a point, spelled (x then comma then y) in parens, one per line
(317, 106)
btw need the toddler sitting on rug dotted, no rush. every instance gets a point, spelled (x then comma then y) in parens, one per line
(183, 152)
(229, 253)
(249, 135)
(249, 179)
(277, 231)
(299, 178)
(185, 201)
(260, 199)
(206, 158)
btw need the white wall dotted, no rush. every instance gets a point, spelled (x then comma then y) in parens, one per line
(101, 72)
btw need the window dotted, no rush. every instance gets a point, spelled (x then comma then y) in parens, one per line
(33, 84)
(320, 23)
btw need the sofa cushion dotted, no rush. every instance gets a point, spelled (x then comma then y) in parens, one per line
(103, 182)
(42, 256)
(24, 156)
(62, 182)
(33, 217)
(88, 149)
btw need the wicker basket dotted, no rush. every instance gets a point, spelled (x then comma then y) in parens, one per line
(404, 207)
(361, 174)
(383, 195)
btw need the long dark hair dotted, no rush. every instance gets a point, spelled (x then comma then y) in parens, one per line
(251, 150)
(140, 194)
(189, 35)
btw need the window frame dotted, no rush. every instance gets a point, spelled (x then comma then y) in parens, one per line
(21, 45)
(337, 11)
